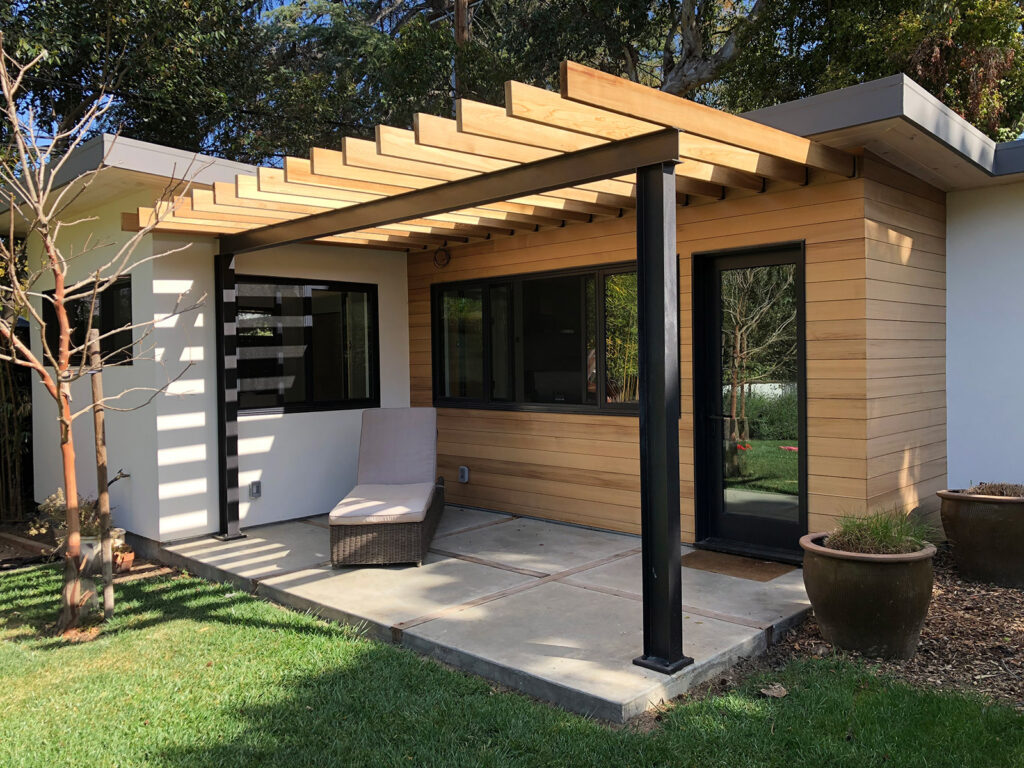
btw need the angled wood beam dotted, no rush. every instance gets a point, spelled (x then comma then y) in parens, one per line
(530, 178)
(364, 153)
(401, 145)
(299, 171)
(398, 142)
(495, 123)
(331, 163)
(133, 222)
(598, 89)
(536, 104)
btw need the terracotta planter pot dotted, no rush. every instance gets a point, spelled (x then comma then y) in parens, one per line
(874, 604)
(986, 535)
(123, 561)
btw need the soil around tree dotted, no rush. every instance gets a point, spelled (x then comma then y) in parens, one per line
(972, 640)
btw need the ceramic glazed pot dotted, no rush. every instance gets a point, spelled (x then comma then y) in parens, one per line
(986, 536)
(874, 604)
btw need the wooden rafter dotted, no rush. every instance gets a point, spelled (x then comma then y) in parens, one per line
(598, 89)
(716, 152)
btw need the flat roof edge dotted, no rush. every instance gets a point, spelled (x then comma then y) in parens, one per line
(112, 151)
(897, 96)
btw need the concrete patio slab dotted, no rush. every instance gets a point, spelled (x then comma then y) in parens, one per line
(458, 519)
(764, 604)
(382, 597)
(549, 609)
(576, 646)
(536, 545)
(265, 551)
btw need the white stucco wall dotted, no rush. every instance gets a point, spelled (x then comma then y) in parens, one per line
(305, 461)
(985, 334)
(130, 436)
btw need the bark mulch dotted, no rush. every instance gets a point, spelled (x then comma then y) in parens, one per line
(972, 640)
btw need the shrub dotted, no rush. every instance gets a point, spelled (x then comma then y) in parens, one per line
(53, 517)
(884, 532)
(997, 489)
(771, 417)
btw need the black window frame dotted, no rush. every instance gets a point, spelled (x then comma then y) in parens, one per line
(515, 282)
(113, 349)
(309, 405)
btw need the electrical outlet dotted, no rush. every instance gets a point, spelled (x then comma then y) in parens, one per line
(463, 474)
(255, 489)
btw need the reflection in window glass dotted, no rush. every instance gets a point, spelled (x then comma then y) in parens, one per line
(502, 347)
(554, 324)
(305, 345)
(462, 325)
(556, 339)
(622, 350)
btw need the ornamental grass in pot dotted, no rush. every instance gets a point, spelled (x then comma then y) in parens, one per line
(870, 582)
(984, 526)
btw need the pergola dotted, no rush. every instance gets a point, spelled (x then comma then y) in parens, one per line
(601, 148)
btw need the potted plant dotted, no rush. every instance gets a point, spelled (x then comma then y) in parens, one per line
(124, 557)
(985, 529)
(870, 582)
(53, 517)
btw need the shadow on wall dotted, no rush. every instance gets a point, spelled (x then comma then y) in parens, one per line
(186, 413)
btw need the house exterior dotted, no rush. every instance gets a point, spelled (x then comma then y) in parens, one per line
(893, 224)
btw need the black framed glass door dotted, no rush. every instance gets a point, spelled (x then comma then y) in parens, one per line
(750, 401)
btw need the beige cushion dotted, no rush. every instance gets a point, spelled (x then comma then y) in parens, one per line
(398, 445)
(368, 504)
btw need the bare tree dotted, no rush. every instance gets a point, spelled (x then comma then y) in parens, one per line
(31, 190)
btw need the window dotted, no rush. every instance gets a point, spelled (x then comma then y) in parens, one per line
(112, 310)
(553, 341)
(306, 346)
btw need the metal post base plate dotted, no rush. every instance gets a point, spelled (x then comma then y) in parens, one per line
(228, 536)
(661, 665)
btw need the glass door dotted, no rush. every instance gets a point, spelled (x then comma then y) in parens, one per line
(749, 426)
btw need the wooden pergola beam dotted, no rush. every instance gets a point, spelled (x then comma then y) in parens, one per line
(494, 122)
(615, 94)
(536, 104)
(530, 178)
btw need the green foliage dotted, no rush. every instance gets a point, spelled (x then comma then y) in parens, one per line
(622, 368)
(765, 466)
(883, 532)
(198, 674)
(773, 417)
(968, 53)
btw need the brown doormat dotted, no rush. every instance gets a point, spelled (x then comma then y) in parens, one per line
(734, 565)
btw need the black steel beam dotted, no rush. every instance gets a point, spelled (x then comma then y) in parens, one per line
(566, 170)
(227, 394)
(658, 321)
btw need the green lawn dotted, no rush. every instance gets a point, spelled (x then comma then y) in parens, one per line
(196, 674)
(766, 467)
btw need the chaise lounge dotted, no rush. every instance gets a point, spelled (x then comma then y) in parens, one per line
(391, 514)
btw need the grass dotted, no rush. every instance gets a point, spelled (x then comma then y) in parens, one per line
(195, 674)
(766, 467)
(883, 532)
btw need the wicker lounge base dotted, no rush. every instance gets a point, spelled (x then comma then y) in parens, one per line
(387, 543)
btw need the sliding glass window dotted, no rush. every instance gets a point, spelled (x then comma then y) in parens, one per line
(306, 346)
(551, 341)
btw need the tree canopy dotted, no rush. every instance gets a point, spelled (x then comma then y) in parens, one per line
(256, 79)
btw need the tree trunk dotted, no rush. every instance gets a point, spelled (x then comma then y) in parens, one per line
(100, 431)
(71, 594)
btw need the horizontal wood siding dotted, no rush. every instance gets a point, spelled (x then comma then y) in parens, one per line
(875, 346)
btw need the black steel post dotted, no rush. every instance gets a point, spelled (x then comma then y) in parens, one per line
(227, 395)
(658, 299)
